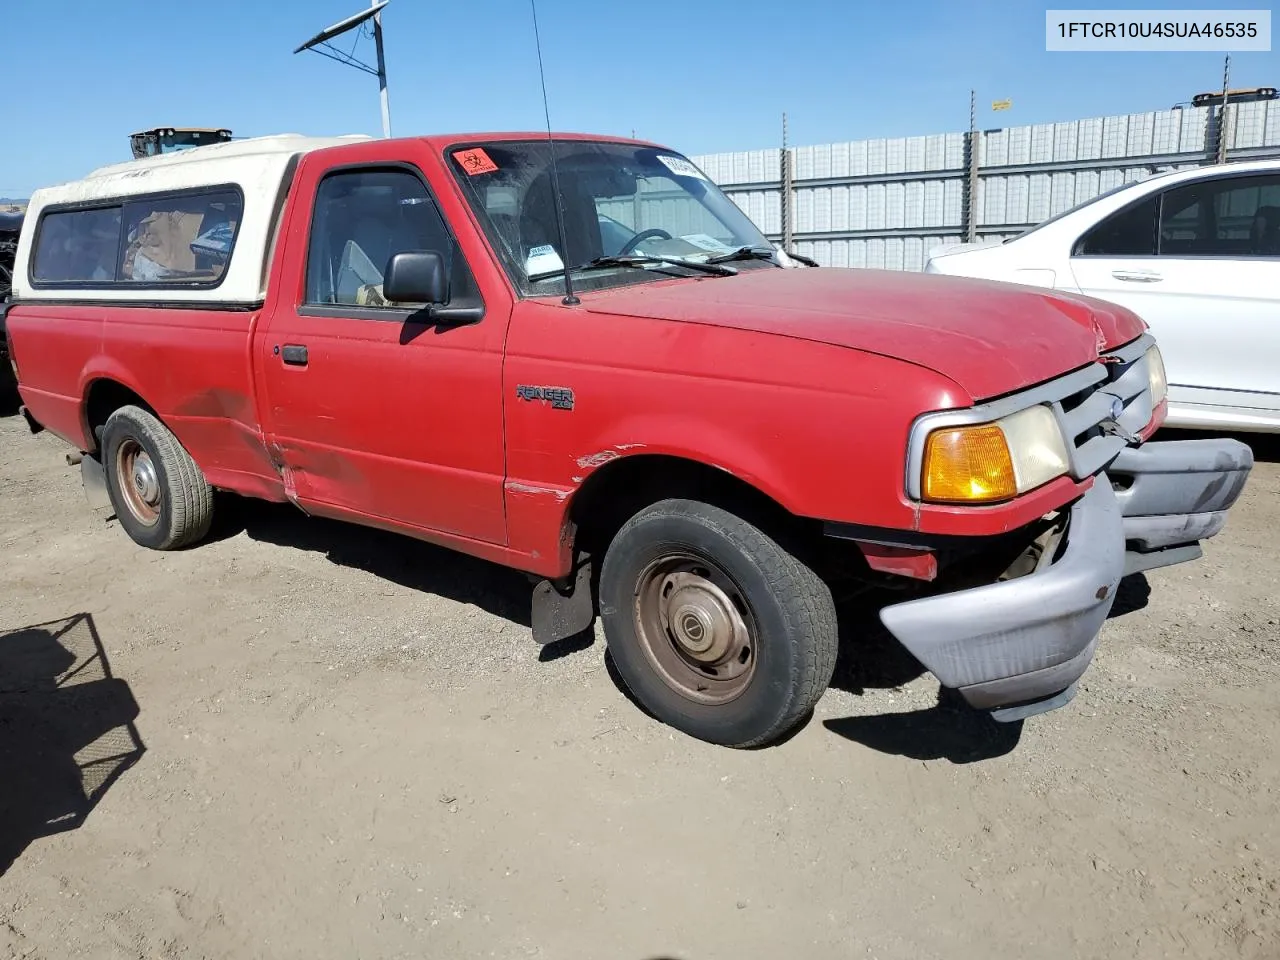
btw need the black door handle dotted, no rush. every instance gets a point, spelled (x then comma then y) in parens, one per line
(295, 354)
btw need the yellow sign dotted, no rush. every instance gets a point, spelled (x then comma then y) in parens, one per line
(1001, 104)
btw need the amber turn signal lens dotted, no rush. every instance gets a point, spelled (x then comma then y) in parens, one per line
(968, 465)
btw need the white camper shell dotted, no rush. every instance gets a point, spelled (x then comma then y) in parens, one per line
(202, 221)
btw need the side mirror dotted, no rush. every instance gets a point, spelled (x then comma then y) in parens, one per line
(416, 276)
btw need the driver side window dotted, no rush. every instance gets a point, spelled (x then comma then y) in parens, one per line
(361, 219)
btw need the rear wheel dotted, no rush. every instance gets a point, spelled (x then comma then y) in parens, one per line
(159, 494)
(714, 626)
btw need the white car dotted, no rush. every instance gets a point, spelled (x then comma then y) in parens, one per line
(1196, 254)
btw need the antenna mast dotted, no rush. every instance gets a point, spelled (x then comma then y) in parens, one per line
(570, 299)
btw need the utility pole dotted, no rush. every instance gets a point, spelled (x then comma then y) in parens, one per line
(321, 45)
(786, 189)
(382, 71)
(1222, 112)
(971, 182)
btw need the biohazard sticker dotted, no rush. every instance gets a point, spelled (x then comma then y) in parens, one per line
(475, 161)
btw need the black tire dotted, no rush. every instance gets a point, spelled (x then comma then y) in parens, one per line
(785, 608)
(182, 509)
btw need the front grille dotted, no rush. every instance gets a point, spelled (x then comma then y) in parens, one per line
(1085, 414)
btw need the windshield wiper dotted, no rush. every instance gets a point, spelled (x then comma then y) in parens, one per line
(807, 261)
(744, 253)
(759, 253)
(639, 260)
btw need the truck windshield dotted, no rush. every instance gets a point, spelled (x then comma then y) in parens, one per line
(642, 203)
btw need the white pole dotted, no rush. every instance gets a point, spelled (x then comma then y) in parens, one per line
(382, 75)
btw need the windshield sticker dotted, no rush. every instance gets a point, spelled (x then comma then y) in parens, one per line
(475, 161)
(681, 167)
(707, 242)
(542, 259)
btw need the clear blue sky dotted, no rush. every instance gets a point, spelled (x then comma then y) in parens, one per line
(701, 76)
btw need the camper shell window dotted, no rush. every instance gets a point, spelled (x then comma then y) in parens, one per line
(159, 240)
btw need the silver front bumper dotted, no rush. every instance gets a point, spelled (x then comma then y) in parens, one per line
(1018, 647)
(1174, 494)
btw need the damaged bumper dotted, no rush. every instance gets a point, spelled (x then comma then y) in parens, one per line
(1018, 647)
(1173, 495)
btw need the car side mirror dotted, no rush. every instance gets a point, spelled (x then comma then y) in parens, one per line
(416, 276)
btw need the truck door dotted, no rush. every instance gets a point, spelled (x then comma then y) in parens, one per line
(374, 410)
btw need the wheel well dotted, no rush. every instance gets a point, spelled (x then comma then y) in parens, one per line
(623, 487)
(105, 397)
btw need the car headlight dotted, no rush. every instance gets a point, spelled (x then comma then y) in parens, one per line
(989, 462)
(1155, 370)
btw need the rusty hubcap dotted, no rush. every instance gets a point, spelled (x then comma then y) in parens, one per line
(137, 479)
(696, 628)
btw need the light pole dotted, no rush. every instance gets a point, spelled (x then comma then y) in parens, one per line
(321, 45)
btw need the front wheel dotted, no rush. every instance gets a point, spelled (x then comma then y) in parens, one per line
(159, 494)
(714, 627)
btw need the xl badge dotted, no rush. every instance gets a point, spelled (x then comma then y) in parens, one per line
(560, 398)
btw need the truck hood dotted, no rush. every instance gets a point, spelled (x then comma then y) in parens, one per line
(989, 337)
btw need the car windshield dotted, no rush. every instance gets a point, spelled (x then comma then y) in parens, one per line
(649, 206)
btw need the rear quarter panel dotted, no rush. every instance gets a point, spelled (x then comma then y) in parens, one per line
(52, 345)
(192, 366)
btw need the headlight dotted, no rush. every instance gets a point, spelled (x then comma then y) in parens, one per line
(1155, 370)
(988, 462)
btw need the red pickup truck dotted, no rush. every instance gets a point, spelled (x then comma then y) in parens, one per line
(577, 357)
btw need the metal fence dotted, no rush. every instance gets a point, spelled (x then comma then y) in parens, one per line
(886, 203)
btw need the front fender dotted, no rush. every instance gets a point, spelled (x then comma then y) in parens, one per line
(539, 513)
(698, 439)
(803, 469)
(820, 429)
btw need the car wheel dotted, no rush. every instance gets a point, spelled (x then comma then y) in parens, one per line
(715, 627)
(159, 494)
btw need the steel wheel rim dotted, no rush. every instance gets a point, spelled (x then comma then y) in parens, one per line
(696, 628)
(138, 482)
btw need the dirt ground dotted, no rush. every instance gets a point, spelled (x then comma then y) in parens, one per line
(307, 740)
